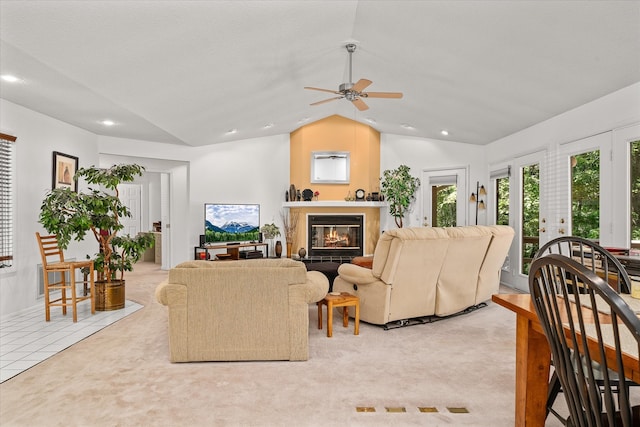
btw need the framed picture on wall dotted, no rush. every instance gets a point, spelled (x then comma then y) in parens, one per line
(64, 168)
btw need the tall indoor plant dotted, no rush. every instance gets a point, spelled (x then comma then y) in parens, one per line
(398, 188)
(71, 215)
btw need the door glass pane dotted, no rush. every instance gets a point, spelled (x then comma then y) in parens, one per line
(502, 201)
(530, 214)
(585, 195)
(635, 194)
(444, 205)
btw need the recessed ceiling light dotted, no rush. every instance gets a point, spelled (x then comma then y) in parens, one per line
(9, 78)
(268, 126)
(407, 126)
(231, 131)
(304, 119)
(108, 122)
(370, 120)
(444, 132)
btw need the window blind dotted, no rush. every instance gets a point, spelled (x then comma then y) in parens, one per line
(443, 179)
(500, 173)
(6, 199)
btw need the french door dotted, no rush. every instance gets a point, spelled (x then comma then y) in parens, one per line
(444, 197)
(527, 215)
(583, 196)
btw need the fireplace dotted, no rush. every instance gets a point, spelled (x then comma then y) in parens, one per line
(335, 235)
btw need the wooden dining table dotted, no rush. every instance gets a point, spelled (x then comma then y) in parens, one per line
(533, 361)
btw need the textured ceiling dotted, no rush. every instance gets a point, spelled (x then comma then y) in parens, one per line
(187, 72)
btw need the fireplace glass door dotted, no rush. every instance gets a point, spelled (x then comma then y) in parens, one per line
(334, 235)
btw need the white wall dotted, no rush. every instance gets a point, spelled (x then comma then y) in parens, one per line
(247, 171)
(424, 154)
(38, 136)
(613, 111)
(610, 114)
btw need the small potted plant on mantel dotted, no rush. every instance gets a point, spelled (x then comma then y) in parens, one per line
(399, 189)
(71, 215)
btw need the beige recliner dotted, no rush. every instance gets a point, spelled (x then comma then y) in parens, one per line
(427, 271)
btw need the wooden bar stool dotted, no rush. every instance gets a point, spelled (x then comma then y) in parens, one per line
(344, 300)
(53, 262)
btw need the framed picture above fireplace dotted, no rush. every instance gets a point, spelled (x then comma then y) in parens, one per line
(330, 167)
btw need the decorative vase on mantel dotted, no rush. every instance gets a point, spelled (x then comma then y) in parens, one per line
(302, 252)
(278, 249)
(289, 246)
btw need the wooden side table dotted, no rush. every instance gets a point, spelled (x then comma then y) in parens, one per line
(343, 300)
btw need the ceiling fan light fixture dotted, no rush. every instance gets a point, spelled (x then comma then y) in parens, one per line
(354, 92)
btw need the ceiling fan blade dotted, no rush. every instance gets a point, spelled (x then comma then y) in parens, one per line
(321, 90)
(327, 100)
(382, 95)
(361, 85)
(360, 105)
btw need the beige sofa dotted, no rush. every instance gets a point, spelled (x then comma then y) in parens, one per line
(427, 271)
(240, 310)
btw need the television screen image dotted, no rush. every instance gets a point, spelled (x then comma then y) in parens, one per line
(231, 222)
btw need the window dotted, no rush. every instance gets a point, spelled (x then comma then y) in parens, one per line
(502, 197)
(500, 178)
(530, 214)
(445, 205)
(6, 200)
(635, 194)
(585, 195)
(443, 200)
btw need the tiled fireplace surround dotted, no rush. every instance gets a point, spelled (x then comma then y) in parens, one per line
(336, 133)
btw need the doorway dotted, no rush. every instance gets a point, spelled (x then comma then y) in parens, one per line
(167, 188)
(131, 196)
(527, 214)
(443, 195)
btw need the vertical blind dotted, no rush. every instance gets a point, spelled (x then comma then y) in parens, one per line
(6, 199)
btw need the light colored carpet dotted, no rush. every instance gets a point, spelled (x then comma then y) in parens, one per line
(121, 376)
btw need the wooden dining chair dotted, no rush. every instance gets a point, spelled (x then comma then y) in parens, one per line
(592, 255)
(53, 262)
(598, 260)
(593, 385)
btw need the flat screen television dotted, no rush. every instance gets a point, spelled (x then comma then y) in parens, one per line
(225, 223)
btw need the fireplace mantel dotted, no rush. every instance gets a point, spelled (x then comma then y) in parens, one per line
(334, 204)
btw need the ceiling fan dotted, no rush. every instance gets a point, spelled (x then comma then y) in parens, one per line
(354, 92)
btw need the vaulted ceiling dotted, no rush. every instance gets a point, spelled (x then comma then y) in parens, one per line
(188, 72)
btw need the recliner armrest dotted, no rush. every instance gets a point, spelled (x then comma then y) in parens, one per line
(363, 261)
(357, 275)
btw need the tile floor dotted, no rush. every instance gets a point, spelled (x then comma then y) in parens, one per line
(26, 339)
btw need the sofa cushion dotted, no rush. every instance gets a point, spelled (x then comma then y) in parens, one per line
(390, 247)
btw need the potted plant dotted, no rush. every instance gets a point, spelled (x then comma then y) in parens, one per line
(71, 215)
(270, 231)
(399, 188)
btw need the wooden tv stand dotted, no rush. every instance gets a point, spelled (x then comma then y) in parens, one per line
(233, 250)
